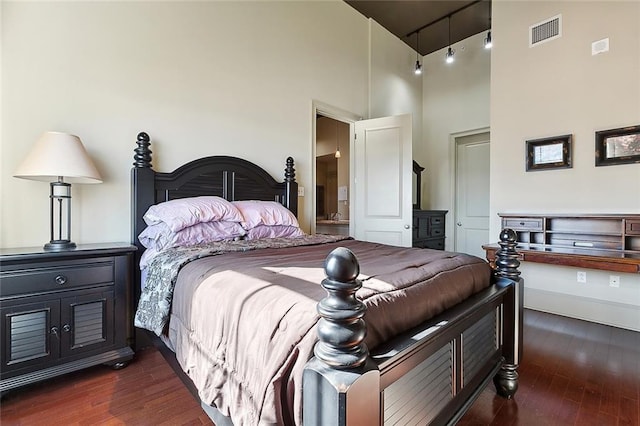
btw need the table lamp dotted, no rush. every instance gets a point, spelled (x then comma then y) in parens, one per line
(59, 158)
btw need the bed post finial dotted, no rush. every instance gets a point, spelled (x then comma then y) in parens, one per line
(341, 330)
(142, 157)
(289, 171)
(507, 263)
(291, 187)
(341, 376)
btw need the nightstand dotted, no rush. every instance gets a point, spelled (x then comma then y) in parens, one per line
(64, 311)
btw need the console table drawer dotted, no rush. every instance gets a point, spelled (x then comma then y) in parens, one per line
(633, 227)
(523, 223)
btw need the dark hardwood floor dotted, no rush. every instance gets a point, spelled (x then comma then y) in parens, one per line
(573, 373)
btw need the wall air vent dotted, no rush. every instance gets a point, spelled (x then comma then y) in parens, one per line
(547, 30)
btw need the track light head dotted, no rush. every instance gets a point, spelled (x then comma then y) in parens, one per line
(418, 70)
(488, 44)
(449, 56)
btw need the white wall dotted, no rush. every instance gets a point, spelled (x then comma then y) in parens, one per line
(554, 89)
(395, 89)
(455, 99)
(202, 78)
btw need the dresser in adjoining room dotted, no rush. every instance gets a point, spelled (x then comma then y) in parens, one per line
(428, 229)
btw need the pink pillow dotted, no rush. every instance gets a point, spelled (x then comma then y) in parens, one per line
(183, 212)
(274, 231)
(265, 213)
(160, 236)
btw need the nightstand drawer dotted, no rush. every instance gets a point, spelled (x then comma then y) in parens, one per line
(523, 223)
(36, 279)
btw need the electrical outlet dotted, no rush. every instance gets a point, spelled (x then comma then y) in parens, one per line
(301, 191)
(582, 277)
(614, 281)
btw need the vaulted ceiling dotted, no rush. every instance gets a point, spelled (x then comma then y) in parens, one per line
(431, 17)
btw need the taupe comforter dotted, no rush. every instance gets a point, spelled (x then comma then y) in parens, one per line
(242, 323)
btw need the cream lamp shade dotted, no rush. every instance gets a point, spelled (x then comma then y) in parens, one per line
(58, 154)
(59, 158)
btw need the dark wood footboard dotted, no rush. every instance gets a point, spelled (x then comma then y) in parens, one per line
(429, 375)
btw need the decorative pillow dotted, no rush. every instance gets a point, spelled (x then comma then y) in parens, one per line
(160, 236)
(183, 212)
(273, 231)
(256, 213)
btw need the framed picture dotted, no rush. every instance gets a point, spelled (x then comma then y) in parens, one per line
(618, 146)
(549, 153)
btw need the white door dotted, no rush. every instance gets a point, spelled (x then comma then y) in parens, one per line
(472, 194)
(382, 192)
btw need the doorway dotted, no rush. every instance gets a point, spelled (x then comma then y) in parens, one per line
(332, 158)
(331, 201)
(471, 194)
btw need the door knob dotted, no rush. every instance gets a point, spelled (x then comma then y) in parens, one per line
(406, 227)
(459, 223)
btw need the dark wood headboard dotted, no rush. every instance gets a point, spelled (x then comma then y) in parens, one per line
(228, 177)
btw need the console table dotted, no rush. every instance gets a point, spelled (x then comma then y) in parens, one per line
(609, 242)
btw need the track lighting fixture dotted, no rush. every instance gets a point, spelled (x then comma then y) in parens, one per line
(449, 56)
(450, 53)
(418, 69)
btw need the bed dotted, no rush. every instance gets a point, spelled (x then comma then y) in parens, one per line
(390, 336)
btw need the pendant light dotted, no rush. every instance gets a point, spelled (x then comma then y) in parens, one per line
(337, 155)
(450, 52)
(418, 69)
(488, 44)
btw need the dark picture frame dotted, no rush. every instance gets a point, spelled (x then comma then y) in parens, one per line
(618, 146)
(549, 153)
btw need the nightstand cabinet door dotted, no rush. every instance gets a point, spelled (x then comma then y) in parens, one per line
(29, 336)
(86, 322)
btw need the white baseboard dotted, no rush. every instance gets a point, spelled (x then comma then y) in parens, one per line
(601, 311)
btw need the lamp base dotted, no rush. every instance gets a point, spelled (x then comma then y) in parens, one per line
(59, 245)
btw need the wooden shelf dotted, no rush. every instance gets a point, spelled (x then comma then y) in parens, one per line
(607, 242)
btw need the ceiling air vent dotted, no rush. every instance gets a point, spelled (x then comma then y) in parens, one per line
(546, 30)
